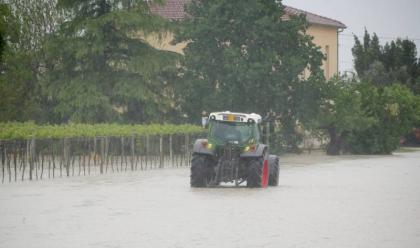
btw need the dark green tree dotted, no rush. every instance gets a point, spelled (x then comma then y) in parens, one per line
(16, 98)
(395, 110)
(362, 118)
(28, 23)
(366, 53)
(342, 113)
(242, 55)
(100, 68)
(396, 61)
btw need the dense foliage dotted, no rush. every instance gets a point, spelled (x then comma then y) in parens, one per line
(27, 24)
(342, 113)
(107, 71)
(362, 118)
(395, 110)
(10, 131)
(242, 55)
(83, 61)
(394, 62)
(384, 67)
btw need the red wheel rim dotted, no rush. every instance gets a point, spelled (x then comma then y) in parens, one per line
(264, 179)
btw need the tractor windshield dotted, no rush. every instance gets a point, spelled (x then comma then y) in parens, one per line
(232, 131)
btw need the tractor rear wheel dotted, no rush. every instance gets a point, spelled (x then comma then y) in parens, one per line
(273, 179)
(258, 173)
(200, 171)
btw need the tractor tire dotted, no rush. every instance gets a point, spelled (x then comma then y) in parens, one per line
(200, 171)
(273, 162)
(257, 173)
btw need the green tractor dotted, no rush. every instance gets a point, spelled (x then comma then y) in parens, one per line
(233, 153)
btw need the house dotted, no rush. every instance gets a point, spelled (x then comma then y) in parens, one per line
(323, 30)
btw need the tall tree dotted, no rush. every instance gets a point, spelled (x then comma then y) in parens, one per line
(100, 66)
(397, 58)
(243, 55)
(366, 53)
(28, 23)
(16, 98)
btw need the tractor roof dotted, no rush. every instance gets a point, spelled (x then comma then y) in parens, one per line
(235, 117)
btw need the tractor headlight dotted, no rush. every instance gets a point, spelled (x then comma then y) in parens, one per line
(250, 148)
(206, 144)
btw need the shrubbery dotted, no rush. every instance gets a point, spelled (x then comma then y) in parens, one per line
(361, 118)
(395, 111)
(13, 130)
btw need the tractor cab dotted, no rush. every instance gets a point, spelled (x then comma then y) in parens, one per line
(232, 128)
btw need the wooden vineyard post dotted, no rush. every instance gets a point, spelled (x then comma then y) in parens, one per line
(122, 153)
(15, 160)
(61, 160)
(94, 151)
(101, 168)
(42, 164)
(171, 151)
(9, 171)
(147, 149)
(132, 152)
(66, 156)
(3, 161)
(53, 159)
(35, 156)
(160, 151)
(84, 156)
(187, 152)
(31, 158)
(49, 161)
(25, 160)
(80, 157)
(89, 155)
(106, 154)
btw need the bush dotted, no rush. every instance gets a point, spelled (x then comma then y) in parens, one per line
(14, 130)
(395, 109)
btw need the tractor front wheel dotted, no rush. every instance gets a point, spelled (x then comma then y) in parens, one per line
(258, 173)
(200, 171)
(273, 162)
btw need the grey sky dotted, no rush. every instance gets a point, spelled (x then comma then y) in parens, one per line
(389, 19)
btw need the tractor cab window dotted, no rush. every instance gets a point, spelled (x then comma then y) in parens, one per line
(231, 131)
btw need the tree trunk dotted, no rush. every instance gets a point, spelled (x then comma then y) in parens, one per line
(334, 147)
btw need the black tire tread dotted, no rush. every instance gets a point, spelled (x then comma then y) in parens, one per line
(254, 178)
(273, 179)
(199, 171)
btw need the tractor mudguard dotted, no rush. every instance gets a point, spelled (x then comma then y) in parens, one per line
(272, 159)
(257, 153)
(200, 149)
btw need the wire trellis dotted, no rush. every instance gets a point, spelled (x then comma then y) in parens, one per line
(38, 159)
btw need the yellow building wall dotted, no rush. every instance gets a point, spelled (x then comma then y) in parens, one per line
(323, 36)
(164, 43)
(327, 39)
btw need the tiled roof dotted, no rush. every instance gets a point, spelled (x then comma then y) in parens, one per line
(174, 10)
(313, 18)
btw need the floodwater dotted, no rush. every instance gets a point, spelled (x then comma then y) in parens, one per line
(321, 202)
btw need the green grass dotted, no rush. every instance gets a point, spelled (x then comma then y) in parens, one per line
(14, 130)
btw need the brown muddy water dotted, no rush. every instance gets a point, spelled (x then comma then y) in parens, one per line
(350, 201)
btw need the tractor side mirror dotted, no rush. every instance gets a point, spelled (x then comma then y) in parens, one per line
(205, 122)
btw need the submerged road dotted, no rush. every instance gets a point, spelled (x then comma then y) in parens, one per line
(321, 202)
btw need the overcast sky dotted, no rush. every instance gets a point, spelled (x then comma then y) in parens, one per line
(388, 18)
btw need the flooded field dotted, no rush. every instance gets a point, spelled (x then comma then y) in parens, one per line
(350, 201)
